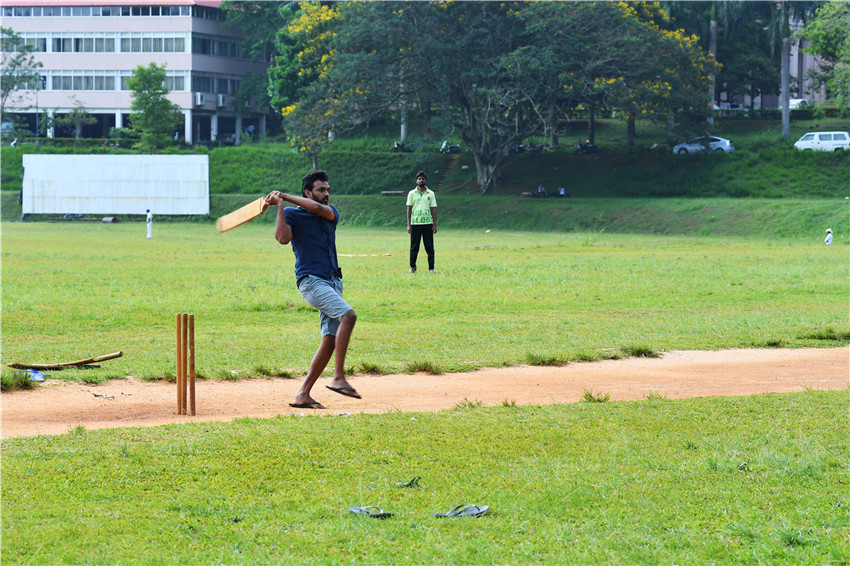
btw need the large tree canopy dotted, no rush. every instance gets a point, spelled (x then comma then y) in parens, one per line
(498, 71)
(829, 33)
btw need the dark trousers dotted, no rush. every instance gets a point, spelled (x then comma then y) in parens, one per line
(424, 232)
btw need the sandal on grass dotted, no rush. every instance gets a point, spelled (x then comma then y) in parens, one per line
(465, 510)
(370, 511)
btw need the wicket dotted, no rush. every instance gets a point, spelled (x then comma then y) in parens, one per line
(185, 354)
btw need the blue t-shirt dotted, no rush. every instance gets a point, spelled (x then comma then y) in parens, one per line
(314, 243)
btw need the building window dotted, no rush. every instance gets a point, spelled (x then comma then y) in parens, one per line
(148, 43)
(174, 83)
(104, 45)
(83, 44)
(105, 11)
(62, 45)
(218, 46)
(103, 80)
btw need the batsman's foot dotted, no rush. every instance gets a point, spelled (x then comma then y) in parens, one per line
(347, 390)
(308, 405)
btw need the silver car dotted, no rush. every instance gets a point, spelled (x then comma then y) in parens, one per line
(716, 145)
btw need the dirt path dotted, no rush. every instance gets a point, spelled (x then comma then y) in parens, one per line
(58, 406)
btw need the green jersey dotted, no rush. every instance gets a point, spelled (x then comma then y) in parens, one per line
(421, 204)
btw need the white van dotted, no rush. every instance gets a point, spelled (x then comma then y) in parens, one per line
(824, 141)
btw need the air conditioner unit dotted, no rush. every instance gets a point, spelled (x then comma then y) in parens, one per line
(222, 100)
(200, 99)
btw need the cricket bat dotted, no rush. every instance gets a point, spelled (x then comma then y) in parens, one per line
(242, 215)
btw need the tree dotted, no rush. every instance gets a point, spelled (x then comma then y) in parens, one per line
(750, 66)
(77, 118)
(19, 68)
(499, 71)
(300, 84)
(630, 58)
(781, 35)
(448, 54)
(155, 118)
(829, 34)
(260, 22)
(303, 50)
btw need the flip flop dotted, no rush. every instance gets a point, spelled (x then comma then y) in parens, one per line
(465, 510)
(308, 405)
(370, 511)
(347, 391)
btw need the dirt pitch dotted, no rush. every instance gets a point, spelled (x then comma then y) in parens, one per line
(58, 406)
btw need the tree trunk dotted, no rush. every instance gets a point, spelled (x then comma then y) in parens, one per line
(630, 129)
(488, 173)
(403, 111)
(591, 123)
(553, 136)
(671, 117)
(426, 118)
(785, 89)
(712, 48)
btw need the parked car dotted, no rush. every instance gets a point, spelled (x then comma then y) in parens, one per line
(716, 145)
(824, 141)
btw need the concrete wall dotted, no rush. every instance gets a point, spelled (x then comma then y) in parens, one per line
(116, 184)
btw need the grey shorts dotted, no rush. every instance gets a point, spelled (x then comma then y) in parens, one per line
(326, 296)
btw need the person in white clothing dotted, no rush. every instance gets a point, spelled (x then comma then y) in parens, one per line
(149, 222)
(828, 239)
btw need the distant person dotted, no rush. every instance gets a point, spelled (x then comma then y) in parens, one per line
(828, 239)
(149, 222)
(562, 192)
(541, 191)
(421, 220)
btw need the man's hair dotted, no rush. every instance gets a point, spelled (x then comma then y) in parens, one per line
(421, 174)
(310, 178)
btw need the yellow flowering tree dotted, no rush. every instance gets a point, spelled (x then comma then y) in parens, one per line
(622, 56)
(309, 105)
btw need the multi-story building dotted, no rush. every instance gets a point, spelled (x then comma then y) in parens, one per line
(88, 49)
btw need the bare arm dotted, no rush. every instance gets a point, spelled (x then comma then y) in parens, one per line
(307, 204)
(434, 217)
(283, 231)
(409, 212)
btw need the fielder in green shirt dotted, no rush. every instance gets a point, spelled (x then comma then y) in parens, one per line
(421, 220)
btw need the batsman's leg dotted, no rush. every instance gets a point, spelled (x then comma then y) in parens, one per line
(317, 366)
(343, 336)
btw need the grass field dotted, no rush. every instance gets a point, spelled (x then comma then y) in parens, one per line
(757, 480)
(500, 298)
(727, 480)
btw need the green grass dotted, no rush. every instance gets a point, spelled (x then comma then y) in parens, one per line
(795, 218)
(73, 290)
(760, 479)
(763, 166)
